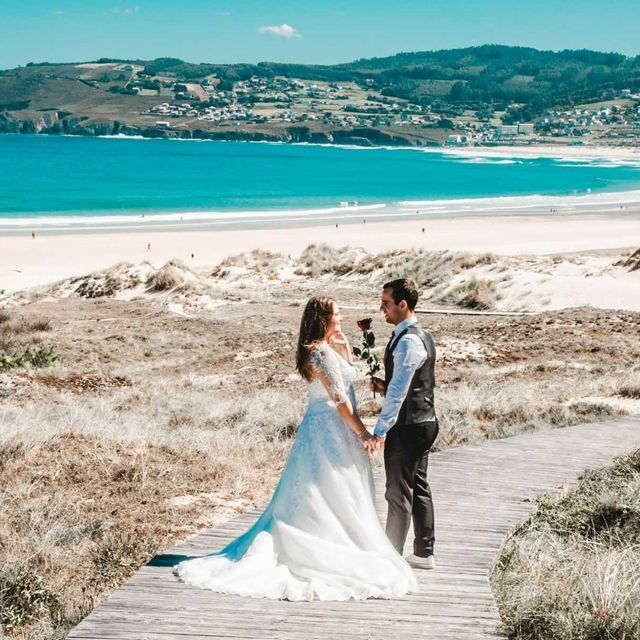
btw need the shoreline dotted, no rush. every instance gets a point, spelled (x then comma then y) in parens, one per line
(537, 149)
(566, 152)
(607, 202)
(27, 262)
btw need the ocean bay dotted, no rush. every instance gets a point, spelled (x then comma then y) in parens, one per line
(83, 178)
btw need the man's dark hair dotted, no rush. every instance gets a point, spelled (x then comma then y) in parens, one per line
(403, 289)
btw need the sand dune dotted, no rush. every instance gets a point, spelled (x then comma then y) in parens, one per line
(447, 279)
(25, 262)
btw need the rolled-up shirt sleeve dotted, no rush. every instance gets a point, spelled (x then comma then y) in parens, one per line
(408, 356)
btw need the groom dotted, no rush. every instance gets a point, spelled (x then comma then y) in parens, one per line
(407, 426)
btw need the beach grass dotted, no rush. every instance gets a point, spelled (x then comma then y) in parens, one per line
(573, 569)
(127, 485)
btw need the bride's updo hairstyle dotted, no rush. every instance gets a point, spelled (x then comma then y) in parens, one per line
(313, 327)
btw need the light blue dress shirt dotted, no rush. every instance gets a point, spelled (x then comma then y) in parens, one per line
(409, 355)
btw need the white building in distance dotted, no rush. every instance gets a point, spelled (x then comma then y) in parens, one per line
(526, 128)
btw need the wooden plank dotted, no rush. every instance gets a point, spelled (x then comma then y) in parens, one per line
(481, 492)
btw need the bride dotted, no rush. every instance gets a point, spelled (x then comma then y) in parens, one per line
(319, 537)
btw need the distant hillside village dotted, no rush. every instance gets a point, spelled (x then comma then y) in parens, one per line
(621, 122)
(485, 95)
(286, 100)
(289, 100)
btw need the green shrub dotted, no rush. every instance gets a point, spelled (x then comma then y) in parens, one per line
(24, 597)
(116, 557)
(33, 355)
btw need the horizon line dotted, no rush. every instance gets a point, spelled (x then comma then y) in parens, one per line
(109, 59)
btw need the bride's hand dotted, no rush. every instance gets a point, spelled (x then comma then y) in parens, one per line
(366, 439)
(339, 338)
(340, 343)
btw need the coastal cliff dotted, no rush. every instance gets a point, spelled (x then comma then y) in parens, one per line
(60, 123)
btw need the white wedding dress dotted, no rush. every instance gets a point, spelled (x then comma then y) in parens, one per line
(319, 537)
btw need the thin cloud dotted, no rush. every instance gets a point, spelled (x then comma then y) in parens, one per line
(224, 14)
(283, 30)
(125, 11)
(59, 12)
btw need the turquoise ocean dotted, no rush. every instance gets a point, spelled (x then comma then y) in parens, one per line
(59, 180)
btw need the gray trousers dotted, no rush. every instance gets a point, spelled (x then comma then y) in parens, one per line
(408, 495)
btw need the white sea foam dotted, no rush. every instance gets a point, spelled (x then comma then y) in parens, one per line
(483, 160)
(141, 220)
(577, 154)
(122, 136)
(405, 209)
(536, 201)
(496, 155)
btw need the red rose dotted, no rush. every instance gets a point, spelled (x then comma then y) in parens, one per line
(365, 324)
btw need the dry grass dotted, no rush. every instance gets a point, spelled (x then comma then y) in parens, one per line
(573, 570)
(321, 259)
(108, 282)
(487, 409)
(473, 293)
(14, 326)
(131, 476)
(426, 268)
(630, 391)
(155, 426)
(627, 385)
(631, 262)
(21, 342)
(441, 275)
(257, 261)
(171, 276)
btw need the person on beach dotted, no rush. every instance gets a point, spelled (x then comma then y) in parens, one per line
(319, 537)
(407, 426)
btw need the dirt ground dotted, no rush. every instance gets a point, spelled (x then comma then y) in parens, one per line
(254, 344)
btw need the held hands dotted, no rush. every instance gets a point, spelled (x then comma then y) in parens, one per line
(376, 384)
(371, 442)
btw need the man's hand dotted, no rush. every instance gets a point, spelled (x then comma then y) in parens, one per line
(367, 440)
(376, 384)
(372, 443)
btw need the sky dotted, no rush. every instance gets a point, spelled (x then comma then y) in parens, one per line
(322, 32)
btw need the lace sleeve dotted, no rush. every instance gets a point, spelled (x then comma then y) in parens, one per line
(326, 367)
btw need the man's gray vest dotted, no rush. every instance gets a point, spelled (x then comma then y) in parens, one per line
(418, 406)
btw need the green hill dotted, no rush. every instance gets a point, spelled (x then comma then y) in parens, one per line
(489, 83)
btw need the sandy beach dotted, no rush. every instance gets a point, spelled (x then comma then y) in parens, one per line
(27, 262)
(577, 152)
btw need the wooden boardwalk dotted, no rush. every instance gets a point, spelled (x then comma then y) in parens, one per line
(481, 492)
